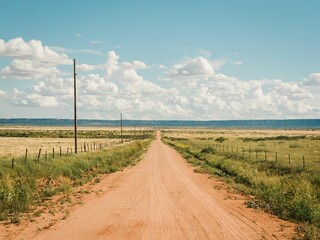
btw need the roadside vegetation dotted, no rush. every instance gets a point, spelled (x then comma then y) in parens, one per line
(30, 183)
(291, 191)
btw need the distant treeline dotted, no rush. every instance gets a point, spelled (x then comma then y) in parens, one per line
(283, 124)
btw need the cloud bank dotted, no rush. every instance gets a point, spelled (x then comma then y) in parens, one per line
(194, 89)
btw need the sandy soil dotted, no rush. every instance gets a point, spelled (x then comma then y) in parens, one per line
(160, 198)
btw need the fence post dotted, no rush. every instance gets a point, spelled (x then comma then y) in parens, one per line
(289, 159)
(303, 162)
(60, 151)
(39, 155)
(265, 155)
(52, 152)
(12, 163)
(25, 158)
(45, 156)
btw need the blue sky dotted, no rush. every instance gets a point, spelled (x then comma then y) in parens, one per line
(201, 59)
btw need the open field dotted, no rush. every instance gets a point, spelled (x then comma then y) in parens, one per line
(16, 139)
(256, 162)
(273, 145)
(16, 146)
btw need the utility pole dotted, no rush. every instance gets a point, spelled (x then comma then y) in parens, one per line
(121, 127)
(75, 108)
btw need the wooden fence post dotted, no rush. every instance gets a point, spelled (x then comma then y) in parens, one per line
(289, 159)
(265, 155)
(52, 152)
(26, 156)
(60, 151)
(45, 156)
(303, 162)
(12, 163)
(39, 154)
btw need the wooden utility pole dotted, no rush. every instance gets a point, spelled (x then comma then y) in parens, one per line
(134, 130)
(121, 127)
(75, 108)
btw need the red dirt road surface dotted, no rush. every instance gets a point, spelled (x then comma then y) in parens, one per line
(162, 198)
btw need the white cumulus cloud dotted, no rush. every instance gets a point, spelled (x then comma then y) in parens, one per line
(195, 68)
(17, 48)
(312, 80)
(193, 90)
(30, 60)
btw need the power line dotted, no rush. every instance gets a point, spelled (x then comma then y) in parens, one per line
(17, 19)
(41, 23)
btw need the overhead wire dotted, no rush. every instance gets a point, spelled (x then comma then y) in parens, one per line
(17, 19)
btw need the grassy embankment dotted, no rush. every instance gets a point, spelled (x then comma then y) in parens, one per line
(290, 191)
(30, 184)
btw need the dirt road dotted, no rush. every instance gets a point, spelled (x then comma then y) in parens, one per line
(162, 198)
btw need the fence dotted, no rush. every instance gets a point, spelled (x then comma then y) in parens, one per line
(262, 154)
(65, 151)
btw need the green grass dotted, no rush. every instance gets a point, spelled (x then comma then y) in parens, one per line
(289, 191)
(31, 183)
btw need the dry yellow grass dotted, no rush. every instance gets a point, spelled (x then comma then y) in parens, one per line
(16, 146)
(238, 133)
(307, 148)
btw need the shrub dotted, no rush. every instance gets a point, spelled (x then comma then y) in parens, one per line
(220, 139)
